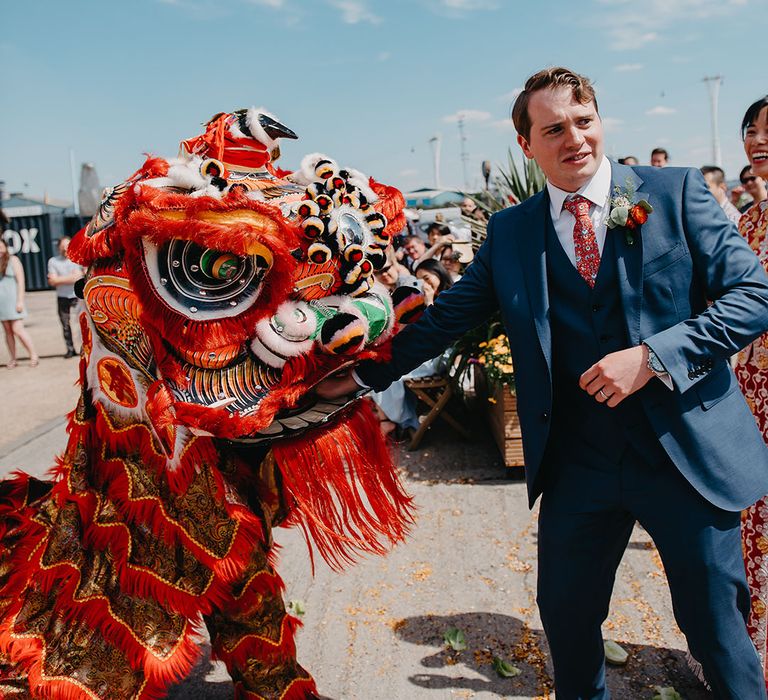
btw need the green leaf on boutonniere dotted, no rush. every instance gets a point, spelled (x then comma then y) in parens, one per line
(504, 668)
(455, 639)
(645, 205)
(668, 693)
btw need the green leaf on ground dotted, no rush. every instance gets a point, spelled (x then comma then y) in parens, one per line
(614, 653)
(296, 607)
(455, 639)
(667, 694)
(504, 668)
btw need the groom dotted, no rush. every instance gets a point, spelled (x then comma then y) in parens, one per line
(628, 406)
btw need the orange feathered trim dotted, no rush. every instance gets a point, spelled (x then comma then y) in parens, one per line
(344, 488)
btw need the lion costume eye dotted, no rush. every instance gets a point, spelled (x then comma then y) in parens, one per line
(205, 283)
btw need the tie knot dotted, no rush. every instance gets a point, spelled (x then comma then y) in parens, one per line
(578, 206)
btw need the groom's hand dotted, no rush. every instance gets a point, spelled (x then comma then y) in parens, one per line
(336, 386)
(617, 375)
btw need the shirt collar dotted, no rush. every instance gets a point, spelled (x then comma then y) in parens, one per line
(596, 190)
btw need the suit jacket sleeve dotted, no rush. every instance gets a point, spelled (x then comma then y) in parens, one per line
(732, 278)
(462, 307)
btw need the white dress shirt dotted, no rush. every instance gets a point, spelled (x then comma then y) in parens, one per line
(598, 192)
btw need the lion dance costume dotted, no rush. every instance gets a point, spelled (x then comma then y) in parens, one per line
(220, 290)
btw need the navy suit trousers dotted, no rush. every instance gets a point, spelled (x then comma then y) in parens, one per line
(586, 519)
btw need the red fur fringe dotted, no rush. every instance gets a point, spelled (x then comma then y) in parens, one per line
(344, 488)
(391, 203)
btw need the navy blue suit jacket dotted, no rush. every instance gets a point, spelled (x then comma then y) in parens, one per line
(685, 255)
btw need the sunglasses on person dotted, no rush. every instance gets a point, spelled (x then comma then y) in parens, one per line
(750, 178)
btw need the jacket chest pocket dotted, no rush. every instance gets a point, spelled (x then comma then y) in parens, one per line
(664, 260)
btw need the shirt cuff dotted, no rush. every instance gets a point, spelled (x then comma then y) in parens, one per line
(666, 380)
(362, 384)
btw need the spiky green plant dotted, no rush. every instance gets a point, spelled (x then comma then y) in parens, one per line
(511, 186)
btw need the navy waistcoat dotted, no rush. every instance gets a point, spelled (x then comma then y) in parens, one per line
(587, 324)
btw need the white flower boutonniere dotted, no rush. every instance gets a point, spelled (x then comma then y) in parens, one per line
(626, 212)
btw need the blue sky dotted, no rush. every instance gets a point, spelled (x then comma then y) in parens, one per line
(368, 82)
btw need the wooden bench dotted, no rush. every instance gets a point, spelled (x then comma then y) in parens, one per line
(436, 392)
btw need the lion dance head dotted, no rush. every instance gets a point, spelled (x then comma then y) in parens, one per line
(221, 289)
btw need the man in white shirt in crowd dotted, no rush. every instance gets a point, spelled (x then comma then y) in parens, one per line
(62, 274)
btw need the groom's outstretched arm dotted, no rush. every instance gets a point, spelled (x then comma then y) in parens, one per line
(462, 307)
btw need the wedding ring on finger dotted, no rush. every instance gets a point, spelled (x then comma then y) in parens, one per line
(603, 394)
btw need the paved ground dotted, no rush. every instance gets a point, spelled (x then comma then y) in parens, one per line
(376, 631)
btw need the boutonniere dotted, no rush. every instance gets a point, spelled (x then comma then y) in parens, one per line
(626, 212)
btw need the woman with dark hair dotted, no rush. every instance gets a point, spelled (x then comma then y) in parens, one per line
(434, 278)
(752, 373)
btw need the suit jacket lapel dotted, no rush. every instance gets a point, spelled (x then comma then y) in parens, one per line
(532, 246)
(629, 253)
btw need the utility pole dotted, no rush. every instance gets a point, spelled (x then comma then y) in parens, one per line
(75, 199)
(434, 143)
(713, 85)
(464, 154)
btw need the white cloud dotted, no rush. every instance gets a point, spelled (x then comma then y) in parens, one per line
(355, 11)
(660, 111)
(275, 4)
(510, 96)
(632, 26)
(469, 5)
(468, 115)
(504, 125)
(611, 124)
(627, 67)
(457, 9)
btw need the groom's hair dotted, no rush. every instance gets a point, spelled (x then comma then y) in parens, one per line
(550, 79)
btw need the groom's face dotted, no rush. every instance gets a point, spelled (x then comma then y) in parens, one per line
(566, 137)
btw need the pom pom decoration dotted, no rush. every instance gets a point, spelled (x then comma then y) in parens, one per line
(343, 334)
(408, 303)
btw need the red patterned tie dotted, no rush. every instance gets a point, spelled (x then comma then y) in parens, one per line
(587, 252)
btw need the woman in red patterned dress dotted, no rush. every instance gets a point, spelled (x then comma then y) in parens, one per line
(752, 373)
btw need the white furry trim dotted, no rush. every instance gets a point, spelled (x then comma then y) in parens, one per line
(257, 196)
(187, 174)
(208, 191)
(360, 180)
(306, 172)
(252, 119)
